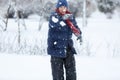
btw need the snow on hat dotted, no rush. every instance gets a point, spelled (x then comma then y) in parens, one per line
(62, 3)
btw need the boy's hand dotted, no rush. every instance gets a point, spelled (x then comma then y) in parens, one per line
(80, 39)
(67, 16)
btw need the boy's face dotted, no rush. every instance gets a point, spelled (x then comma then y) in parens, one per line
(62, 9)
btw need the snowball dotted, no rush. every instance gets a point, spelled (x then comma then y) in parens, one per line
(51, 26)
(54, 19)
(55, 43)
(62, 23)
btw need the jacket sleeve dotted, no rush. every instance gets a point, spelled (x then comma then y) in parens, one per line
(73, 20)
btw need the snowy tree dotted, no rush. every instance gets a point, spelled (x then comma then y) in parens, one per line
(73, 7)
(48, 8)
(90, 7)
(84, 13)
(118, 7)
(5, 12)
(106, 6)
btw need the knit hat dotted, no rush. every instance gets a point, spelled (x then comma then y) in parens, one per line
(62, 3)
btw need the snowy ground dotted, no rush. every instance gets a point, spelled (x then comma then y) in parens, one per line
(100, 41)
(14, 67)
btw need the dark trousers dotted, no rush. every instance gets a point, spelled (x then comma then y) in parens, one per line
(58, 66)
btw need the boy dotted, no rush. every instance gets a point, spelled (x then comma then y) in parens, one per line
(60, 45)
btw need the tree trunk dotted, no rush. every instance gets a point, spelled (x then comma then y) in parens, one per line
(84, 14)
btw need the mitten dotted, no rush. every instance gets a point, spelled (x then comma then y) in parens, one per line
(67, 16)
(80, 39)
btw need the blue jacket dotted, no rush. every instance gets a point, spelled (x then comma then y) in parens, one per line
(59, 36)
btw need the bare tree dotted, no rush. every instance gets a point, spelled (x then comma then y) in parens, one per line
(46, 9)
(5, 21)
(41, 20)
(17, 13)
(84, 14)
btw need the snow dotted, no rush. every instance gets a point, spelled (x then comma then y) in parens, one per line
(98, 69)
(24, 67)
(100, 43)
(101, 36)
(55, 43)
(19, 67)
